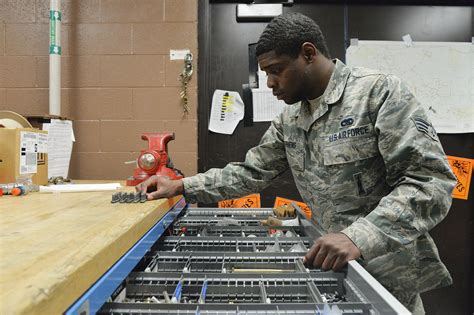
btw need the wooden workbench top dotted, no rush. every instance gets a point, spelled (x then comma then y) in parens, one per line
(53, 247)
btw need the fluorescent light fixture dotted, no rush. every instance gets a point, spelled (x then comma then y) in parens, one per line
(258, 12)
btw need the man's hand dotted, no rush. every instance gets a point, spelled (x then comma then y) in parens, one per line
(331, 251)
(158, 187)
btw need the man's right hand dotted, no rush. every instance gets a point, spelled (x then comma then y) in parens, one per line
(158, 187)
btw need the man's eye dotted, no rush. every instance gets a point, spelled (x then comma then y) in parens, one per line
(275, 71)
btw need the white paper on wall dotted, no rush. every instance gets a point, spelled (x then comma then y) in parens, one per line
(265, 105)
(440, 74)
(60, 139)
(226, 111)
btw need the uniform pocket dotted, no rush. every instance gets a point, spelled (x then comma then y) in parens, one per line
(351, 167)
(351, 151)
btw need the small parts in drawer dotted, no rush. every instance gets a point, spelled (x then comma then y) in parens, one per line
(284, 211)
(131, 197)
(334, 297)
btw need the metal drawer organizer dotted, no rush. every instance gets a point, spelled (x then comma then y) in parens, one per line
(222, 261)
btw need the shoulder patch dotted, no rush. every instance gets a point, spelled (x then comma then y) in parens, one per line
(425, 127)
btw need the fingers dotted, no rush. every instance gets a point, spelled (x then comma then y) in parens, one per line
(141, 187)
(328, 262)
(319, 259)
(154, 195)
(331, 251)
(313, 251)
(339, 263)
(148, 183)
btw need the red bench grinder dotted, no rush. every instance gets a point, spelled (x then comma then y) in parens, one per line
(155, 160)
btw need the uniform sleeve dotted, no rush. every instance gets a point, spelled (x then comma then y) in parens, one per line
(262, 164)
(417, 170)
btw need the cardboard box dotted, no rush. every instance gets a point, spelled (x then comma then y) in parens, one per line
(23, 154)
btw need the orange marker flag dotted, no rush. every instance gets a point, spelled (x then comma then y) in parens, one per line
(462, 168)
(250, 201)
(279, 201)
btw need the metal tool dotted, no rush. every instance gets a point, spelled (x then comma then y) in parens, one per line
(185, 77)
(155, 160)
(131, 197)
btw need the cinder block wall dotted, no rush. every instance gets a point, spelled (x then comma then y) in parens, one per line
(117, 78)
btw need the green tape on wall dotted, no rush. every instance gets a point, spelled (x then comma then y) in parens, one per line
(54, 16)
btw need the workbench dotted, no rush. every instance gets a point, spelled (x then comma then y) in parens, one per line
(55, 247)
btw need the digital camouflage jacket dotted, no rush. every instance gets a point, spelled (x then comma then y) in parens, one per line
(368, 163)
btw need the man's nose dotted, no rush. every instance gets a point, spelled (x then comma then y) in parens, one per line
(270, 82)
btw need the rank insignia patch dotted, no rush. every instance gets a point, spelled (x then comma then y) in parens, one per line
(425, 127)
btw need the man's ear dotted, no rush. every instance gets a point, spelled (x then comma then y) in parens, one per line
(309, 51)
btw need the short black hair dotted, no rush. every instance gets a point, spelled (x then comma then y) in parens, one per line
(287, 32)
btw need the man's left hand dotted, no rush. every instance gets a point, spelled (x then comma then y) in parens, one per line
(331, 251)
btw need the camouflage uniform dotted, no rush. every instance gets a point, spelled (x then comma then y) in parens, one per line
(368, 163)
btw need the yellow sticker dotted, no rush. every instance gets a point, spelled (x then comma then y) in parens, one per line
(462, 168)
(250, 201)
(279, 201)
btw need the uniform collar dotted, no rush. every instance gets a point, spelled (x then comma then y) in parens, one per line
(308, 116)
(337, 83)
(331, 95)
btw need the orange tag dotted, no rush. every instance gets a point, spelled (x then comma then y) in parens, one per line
(462, 168)
(279, 201)
(250, 201)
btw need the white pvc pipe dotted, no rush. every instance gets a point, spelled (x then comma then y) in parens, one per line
(55, 57)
